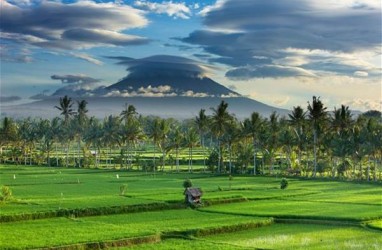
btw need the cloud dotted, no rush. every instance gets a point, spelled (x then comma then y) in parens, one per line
(78, 25)
(4, 99)
(74, 79)
(15, 54)
(176, 10)
(87, 58)
(252, 36)
(149, 91)
(363, 104)
(163, 65)
(273, 71)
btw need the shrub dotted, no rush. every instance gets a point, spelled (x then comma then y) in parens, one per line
(284, 183)
(6, 193)
(187, 183)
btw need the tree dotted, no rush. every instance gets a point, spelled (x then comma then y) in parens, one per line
(176, 142)
(111, 134)
(202, 122)
(93, 137)
(81, 124)
(231, 135)
(191, 140)
(9, 133)
(158, 132)
(272, 141)
(131, 133)
(317, 115)
(251, 127)
(67, 112)
(128, 114)
(298, 120)
(219, 121)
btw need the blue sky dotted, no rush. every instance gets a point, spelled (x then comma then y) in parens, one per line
(280, 52)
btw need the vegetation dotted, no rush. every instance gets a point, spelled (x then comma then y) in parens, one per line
(305, 181)
(310, 143)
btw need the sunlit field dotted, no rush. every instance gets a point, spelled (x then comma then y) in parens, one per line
(86, 208)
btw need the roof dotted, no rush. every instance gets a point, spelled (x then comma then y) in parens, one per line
(194, 192)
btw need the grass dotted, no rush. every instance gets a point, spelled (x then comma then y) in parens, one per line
(65, 231)
(300, 209)
(44, 190)
(301, 236)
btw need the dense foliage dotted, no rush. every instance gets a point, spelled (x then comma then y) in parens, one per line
(311, 142)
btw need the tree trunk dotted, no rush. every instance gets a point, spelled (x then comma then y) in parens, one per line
(219, 153)
(230, 158)
(79, 152)
(177, 159)
(191, 161)
(254, 157)
(314, 152)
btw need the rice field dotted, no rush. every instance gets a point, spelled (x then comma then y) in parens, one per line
(92, 208)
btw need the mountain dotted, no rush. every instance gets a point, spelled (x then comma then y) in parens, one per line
(178, 84)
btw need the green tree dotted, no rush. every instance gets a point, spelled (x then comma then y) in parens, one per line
(317, 115)
(251, 127)
(219, 122)
(111, 134)
(191, 140)
(298, 120)
(202, 123)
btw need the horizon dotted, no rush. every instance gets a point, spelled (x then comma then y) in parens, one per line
(274, 52)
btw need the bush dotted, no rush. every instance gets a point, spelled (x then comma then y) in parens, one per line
(187, 183)
(6, 193)
(284, 183)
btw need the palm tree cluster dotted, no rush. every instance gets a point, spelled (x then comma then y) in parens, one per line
(307, 142)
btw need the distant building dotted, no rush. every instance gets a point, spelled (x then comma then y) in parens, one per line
(193, 195)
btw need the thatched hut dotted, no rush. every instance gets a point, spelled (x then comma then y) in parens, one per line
(193, 195)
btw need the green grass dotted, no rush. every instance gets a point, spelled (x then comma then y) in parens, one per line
(301, 236)
(301, 209)
(43, 189)
(64, 231)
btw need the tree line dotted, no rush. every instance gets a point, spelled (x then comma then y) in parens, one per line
(309, 142)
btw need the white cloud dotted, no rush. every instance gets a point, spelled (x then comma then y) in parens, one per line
(87, 58)
(82, 24)
(176, 10)
(363, 104)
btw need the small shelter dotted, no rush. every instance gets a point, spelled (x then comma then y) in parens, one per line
(193, 195)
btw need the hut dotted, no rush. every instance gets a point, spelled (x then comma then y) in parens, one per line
(193, 195)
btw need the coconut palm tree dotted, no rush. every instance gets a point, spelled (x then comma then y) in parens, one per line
(158, 131)
(317, 115)
(9, 133)
(81, 123)
(231, 136)
(111, 134)
(219, 121)
(298, 120)
(131, 133)
(128, 114)
(176, 142)
(93, 137)
(66, 108)
(272, 141)
(191, 140)
(202, 122)
(251, 127)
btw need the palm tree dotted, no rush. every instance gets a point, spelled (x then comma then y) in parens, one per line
(176, 142)
(81, 125)
(158, 131)
(128, 113)
(93, 137)
(272, 141)
(251, 127)
(111, 134)
(9, 133)
(219, 121)
(131, 133)
(67, 111)
(191, 140)
(298, 120)
(317, 115)
(66, 108)
(231, 135)
(201, 122)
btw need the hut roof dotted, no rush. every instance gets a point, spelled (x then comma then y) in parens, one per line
(194, 192)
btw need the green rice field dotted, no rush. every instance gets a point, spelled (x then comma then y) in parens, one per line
(65, 208)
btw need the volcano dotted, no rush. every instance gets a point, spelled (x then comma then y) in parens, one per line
(165, 86)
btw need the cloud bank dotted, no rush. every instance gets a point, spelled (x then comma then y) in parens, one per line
(176, 10)
(78, 25)
(163, 65)
(282, 38)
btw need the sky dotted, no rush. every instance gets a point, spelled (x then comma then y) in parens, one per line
(279, 52)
